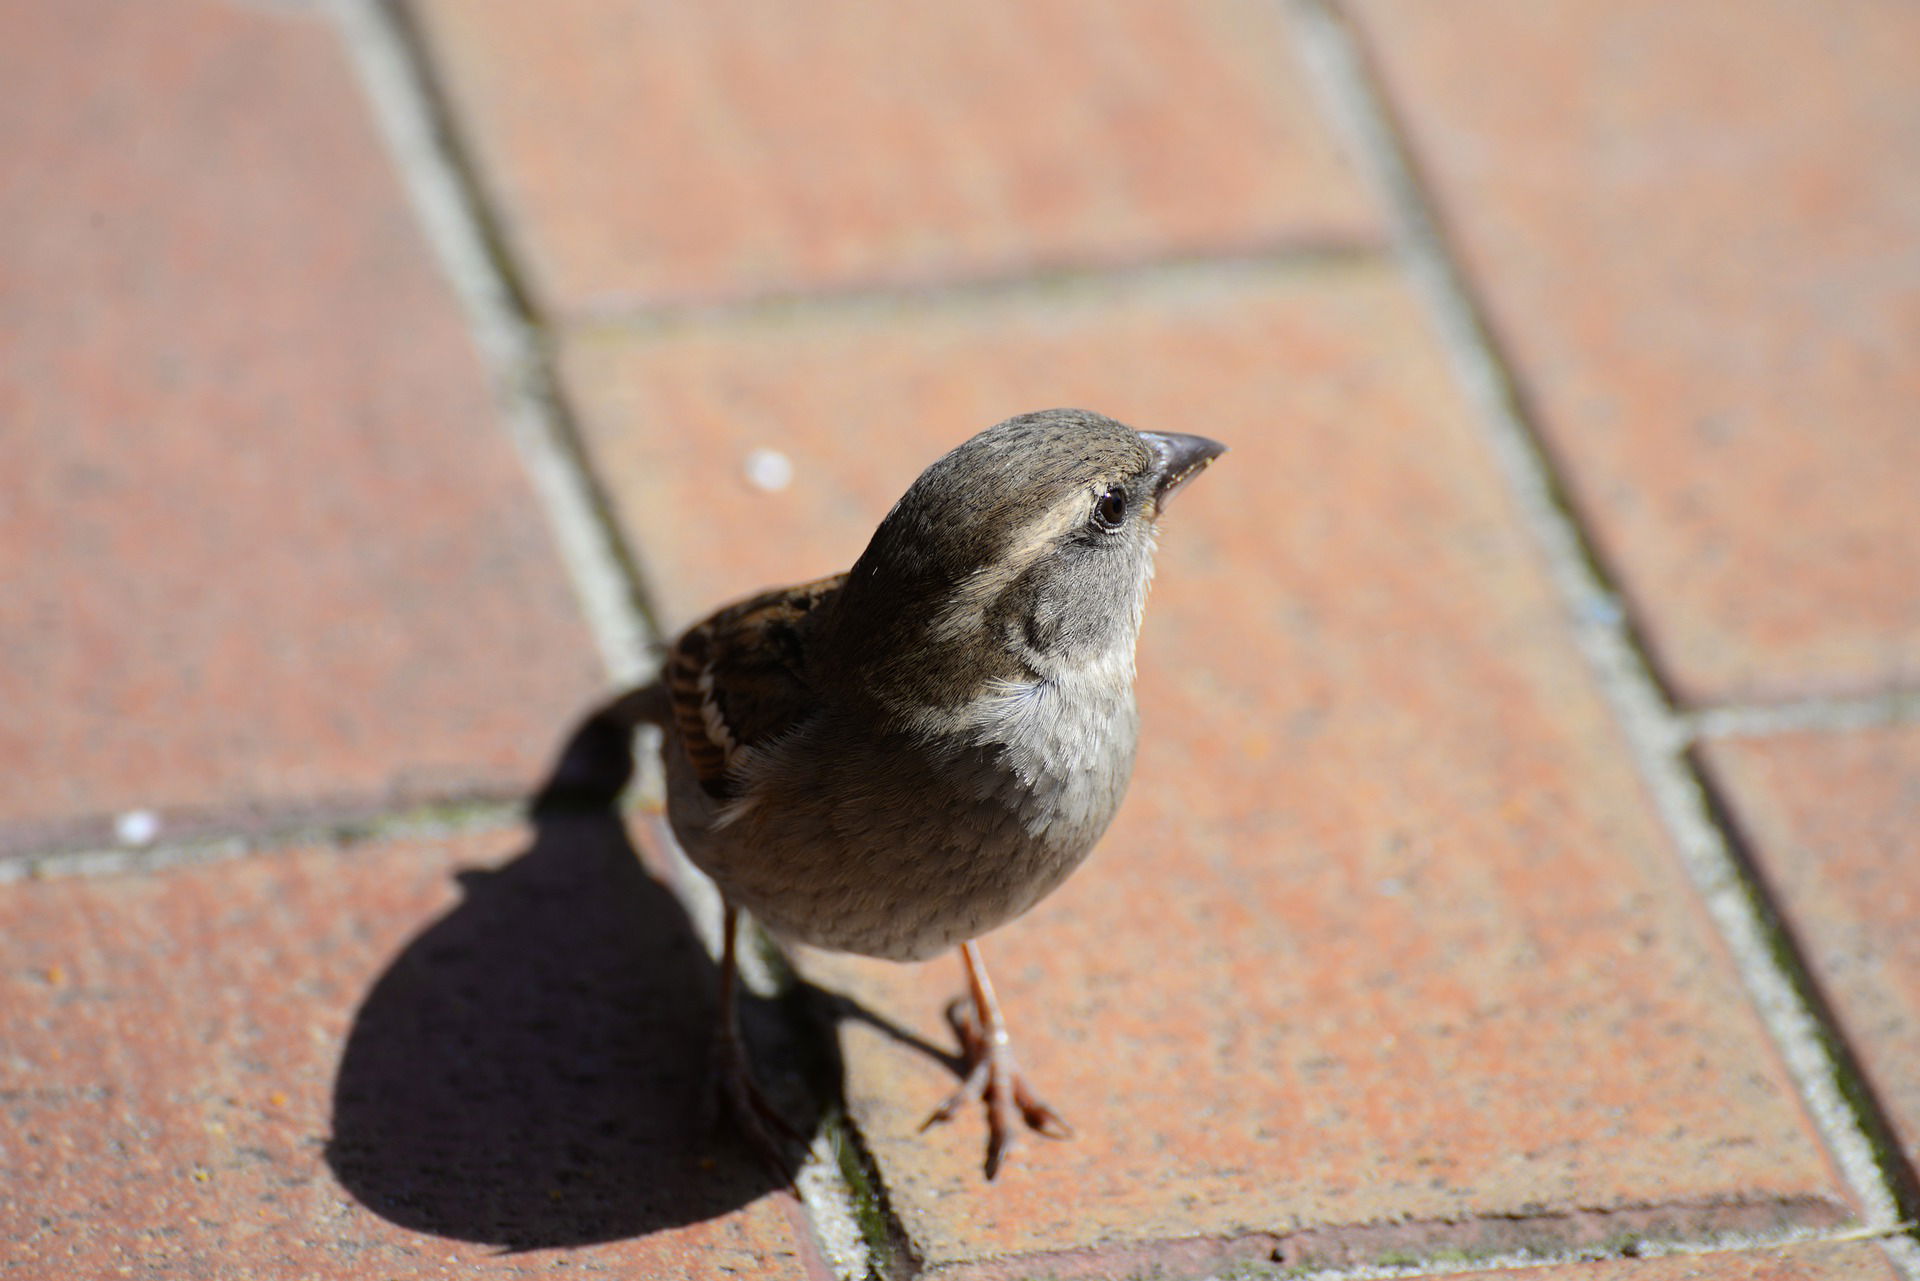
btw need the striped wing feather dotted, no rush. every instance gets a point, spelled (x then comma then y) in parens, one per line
(740, 677)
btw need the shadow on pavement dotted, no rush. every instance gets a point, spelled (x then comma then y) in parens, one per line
(531, 1070)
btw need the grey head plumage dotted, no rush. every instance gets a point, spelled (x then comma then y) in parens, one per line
(1023, 552)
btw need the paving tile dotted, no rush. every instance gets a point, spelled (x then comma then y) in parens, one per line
(1830, 819)
(1386, 930)
(747, 147)
(1694, 235)
(263, 538)
(331, 1062)
(1811, 1261)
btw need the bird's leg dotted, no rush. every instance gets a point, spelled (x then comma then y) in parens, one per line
(992, 1074)
(757, 1118)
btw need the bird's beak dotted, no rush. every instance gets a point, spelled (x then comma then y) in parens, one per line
(1177, 459)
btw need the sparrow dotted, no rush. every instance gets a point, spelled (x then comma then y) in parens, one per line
(896, 760)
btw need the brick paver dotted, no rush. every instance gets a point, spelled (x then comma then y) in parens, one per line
(1831, 819)
(1812, 1261)
(1693, 228)
(1390, 959)
(745, 147)
(192, 1065)
(264, 541)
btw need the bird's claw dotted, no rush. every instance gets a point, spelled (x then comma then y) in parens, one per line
(770, 1134)
(993, 1077)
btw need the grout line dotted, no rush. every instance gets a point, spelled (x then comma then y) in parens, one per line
(421, 821)
(1297, 254)
(605, 575)
(1657, 736)
(1835, 715)
(523, 388)
(1385, 1250)
(1643, 1249)
(1521, 1261)
(835, 1202)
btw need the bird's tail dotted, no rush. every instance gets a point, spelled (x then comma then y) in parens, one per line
(597, 762)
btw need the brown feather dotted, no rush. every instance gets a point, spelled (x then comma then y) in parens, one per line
(740, 677)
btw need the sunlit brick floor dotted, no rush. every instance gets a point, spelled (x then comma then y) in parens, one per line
(1521, 864)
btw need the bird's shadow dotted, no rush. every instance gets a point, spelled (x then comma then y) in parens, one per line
(532, 1069)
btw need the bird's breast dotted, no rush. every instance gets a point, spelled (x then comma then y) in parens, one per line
(1059, 753)
(905, 845)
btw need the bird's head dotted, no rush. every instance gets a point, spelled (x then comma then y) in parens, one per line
(1024, 553)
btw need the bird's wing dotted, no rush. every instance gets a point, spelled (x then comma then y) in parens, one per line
(740, 677)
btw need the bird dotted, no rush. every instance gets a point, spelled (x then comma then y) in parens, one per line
(898, 759)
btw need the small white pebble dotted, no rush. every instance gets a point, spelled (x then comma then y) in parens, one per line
(769, 469)
(137, 827)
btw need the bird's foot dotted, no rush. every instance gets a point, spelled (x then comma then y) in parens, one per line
(994, 1077)
(769, 1133)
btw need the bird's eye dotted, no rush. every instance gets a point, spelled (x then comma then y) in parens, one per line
(1110, 509)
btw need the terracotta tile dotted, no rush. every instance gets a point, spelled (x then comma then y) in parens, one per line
(1701, 269)
(1830, 818)
(1809, 1261)
(647, 153)
(1386, 915)
(505, 1074)
(263, 537)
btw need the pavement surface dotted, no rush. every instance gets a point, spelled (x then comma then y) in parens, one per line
(1521, 867)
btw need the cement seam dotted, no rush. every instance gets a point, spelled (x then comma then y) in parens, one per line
(605, 577)
(509, 346)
